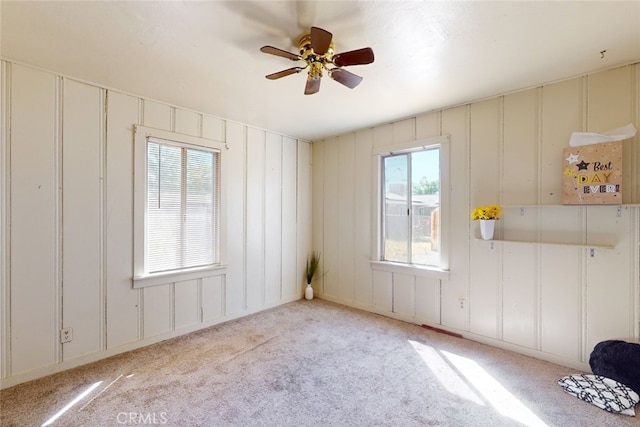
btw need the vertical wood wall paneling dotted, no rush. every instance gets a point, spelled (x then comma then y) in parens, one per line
(82, 231)
(35, 319)
(123, 302)
(403, 131)
(158, 310)
(330, 217)
(304, 211)
(609, 281)
(255, 230)
(317, 209)
(636, 197)
(636, 143)
(561, 115)
(273, 225)
(291, 282)
(364, 222)
(560, 267)
(347, 216)
(78, 138)
(541, 297)
(158, 313)
(157, 115)
(519, 295)
(636, 277)
(485, 301)
(520, 178)
(561, 299)
(428, 125)
(404, 294)
(188, 122)
(212, 298)
(5, 309)
(520, 164)
(35, 167)
(427, 300)
(186, 303)
(382, 135)
(213, 128)
(235, 290)
(611, 105)
(382, 291)
(455, 122)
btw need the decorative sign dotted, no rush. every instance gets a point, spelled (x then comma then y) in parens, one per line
(593, 174)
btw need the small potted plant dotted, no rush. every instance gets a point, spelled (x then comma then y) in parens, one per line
(487, 215)
(313, 262)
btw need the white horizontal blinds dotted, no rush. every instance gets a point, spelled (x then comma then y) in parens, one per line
(181, 227)
(163, 207)
(200, 201)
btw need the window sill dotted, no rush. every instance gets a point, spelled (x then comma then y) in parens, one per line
(178, 276)
(417, 270)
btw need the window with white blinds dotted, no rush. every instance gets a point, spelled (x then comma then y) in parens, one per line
(182, 206)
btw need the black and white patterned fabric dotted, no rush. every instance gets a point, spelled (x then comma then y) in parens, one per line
(602, 392)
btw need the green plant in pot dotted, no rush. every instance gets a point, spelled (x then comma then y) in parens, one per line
(313, 262)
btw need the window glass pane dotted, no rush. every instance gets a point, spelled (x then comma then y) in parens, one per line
(199, 218)
(425, 227)
(182, 206)
(163, 207)
(396, 218)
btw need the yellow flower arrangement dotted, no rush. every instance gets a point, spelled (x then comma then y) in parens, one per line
(486, 212)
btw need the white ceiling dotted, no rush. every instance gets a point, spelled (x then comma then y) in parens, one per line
(429, 55)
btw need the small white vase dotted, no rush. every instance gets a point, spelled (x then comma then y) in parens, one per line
(487, 227)
(308, 292)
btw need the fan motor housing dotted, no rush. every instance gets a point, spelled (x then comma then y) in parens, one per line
(307, 53)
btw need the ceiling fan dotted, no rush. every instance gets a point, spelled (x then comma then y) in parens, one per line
(316, 49)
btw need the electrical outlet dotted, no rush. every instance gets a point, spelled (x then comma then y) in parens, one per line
(66, 335)
(461, 303)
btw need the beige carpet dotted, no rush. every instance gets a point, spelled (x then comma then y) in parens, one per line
(307, 363)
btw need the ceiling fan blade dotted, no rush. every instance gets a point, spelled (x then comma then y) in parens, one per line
(345, 77)
(313, 86)
(279, 52)
(354, 57)
(320, 40)
(285, 73)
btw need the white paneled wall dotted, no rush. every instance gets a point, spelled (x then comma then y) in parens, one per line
(67, 224)
(551, 301)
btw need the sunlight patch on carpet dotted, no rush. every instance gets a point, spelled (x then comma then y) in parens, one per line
(444, 373)
(70, 404)
(497, 395)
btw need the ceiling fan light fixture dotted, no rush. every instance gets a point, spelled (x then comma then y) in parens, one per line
(315, 70)
(317, 50)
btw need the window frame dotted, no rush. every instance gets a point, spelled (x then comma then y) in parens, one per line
(379, 153)
(141, 278)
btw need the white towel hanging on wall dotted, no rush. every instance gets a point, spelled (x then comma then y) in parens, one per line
(588, 138)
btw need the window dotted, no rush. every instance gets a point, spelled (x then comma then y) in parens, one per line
(177, 203)
(181, 229)
(411, 204)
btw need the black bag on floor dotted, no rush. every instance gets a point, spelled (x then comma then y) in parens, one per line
(618, 360)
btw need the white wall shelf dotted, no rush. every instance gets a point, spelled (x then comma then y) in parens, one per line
(578, 245)
(630, 205)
